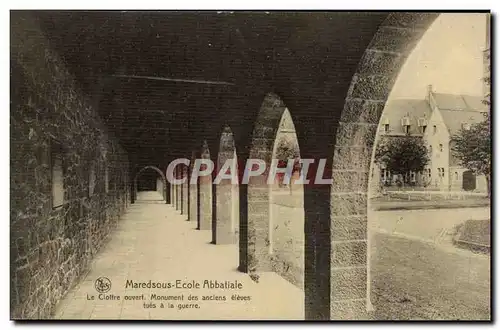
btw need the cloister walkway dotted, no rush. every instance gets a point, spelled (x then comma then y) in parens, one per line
(154, 242)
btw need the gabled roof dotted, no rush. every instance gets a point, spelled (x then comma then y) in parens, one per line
(457, 110)
(453, 119)
(459, 102)
(395, 110)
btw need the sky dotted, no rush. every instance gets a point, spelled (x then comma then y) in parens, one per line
(449, 57)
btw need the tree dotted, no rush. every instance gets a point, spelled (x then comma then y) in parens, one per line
(287, 150)
(284, 151)
(402, 155)
(472, 146)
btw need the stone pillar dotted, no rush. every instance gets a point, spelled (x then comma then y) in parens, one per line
(224, 229)
(193, 201)
(317, 252)
(181, 194)
(254, 214)
(224, 216)
(172, 194)
(235, 211)
(254, 223)
(185, 189)
(177, 190)
(349, 240)
(168, 193)
(243, 226)
(132, 193)
(205, 192)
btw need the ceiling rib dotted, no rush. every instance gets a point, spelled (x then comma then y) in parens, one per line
(209, 82)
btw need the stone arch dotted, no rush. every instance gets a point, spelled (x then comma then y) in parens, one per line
(205, 194)
(254, 238)
(347, 279)
(162, 175)
(226, 222)
(286, 209)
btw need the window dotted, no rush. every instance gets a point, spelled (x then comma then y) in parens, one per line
(441, 147)
(434, 129)
(57, 175)
(430, 172)
(385, 123)
(405, 122)
(422, 123)
(441, 172)
(456, 175)
(430, 148)
(413, 177)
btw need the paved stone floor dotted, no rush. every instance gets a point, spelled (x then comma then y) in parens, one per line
(154, 242)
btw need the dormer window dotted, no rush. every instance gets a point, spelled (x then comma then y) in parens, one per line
(385, 124)
(405, 122)
(422, 124)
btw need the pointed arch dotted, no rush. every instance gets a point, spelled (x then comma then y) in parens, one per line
(254, 237)
(162, 175)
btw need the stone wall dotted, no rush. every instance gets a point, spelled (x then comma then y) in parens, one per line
(287, 242)
(51, 248)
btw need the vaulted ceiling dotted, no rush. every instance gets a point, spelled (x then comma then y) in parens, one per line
(208, 57)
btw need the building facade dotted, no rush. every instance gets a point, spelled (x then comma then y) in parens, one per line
(434, 119)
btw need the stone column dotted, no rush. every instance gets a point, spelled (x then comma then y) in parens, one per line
(224, 231)
(177, 191)
(193, 201)
(205, 191)
(174, 194)
(185, 189)
(168, 193)
(181, 194)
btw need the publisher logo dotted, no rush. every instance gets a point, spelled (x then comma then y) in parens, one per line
(102, 284)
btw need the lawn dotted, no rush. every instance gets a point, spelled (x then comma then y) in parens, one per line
(474, 234)
(412, 280)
